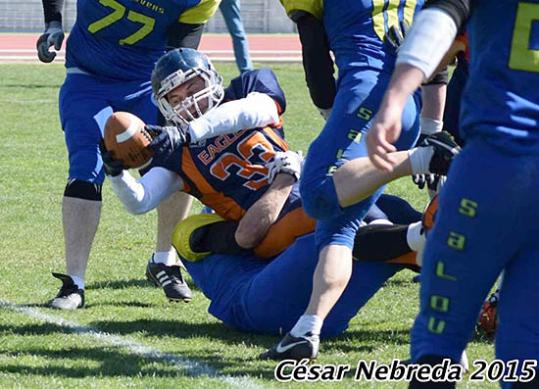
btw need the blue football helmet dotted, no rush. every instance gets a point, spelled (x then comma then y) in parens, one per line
(177, 67)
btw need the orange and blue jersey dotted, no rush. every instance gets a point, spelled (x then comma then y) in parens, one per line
(228, 174)
(122, 39)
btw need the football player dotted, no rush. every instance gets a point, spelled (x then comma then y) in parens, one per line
(500, 159)
(253, 295)
(110, 54)
(227, 173)
(356, 34)
(248, 177)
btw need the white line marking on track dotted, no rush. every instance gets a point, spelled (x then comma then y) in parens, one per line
(192, 367)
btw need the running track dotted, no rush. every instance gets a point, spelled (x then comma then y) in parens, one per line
(267, 48)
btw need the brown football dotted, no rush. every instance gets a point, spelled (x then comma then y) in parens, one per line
(127, 139)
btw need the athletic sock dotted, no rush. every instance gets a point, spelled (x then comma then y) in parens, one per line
(415, 236)
(79, 281)
(420, 159)
(167, 258)
(306, 324)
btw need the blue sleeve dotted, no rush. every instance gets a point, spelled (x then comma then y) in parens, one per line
(260, 80)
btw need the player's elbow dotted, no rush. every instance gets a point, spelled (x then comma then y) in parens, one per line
(137, 208)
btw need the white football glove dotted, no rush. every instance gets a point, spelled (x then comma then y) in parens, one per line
(288, 162)
(53, 36)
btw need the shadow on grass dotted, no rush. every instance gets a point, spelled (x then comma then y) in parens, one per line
(120, 284)
(124, 284)
(80, 362)
(31, 86)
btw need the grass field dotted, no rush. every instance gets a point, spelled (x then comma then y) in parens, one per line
(150, 342)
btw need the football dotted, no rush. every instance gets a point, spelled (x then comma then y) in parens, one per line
(127, 139)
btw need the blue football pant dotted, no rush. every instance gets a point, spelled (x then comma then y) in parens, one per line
(86, 102)
(358, 97)
(255, 296)
(486, 223)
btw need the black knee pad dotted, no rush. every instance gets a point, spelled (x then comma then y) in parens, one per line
(83, 190)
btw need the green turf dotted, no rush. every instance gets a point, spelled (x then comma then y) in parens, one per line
(119, 301)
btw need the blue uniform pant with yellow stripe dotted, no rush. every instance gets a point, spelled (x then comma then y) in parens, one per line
(358, 97)
(486, 223)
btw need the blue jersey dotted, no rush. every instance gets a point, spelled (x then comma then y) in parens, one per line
(501, 99)
(356, 29)
(122, 39)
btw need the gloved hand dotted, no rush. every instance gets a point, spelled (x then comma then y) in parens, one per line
(288, 162)
(166, 139)
(113, 167)
(395, 35)
(433, 182)
(53, 36)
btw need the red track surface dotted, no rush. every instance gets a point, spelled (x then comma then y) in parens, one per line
(286, 47)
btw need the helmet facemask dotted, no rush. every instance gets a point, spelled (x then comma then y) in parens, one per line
(195, 105)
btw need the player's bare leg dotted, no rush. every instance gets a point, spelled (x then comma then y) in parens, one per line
(164, 267)
(359, 178)
(78, 239)
(330, 279)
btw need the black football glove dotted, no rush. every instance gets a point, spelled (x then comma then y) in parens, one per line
(113, 167)
(53, 36)
(395, 35)
(167, 139)
(433, 182)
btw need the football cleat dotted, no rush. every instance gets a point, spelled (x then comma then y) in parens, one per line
(70, 295)
(488, 318)
(445, 149)
(169, 278)
(296, 348)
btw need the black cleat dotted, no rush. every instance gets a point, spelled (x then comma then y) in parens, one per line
(70, 295)
(445, 149)
(170, 279)
(296, 348)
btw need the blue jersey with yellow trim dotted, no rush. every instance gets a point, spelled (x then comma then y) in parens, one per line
(122, 39)
(356, 29)
(501, 99)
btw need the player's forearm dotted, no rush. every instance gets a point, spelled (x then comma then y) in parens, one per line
(147, 193)
(52, 10)
(184, 35)
(254, 111)
(255, 224)
(317, 62)
(432, 112)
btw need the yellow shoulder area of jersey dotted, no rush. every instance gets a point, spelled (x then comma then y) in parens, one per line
(314, 7)
(200, 13)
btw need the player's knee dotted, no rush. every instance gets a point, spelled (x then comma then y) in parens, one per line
(83, 190)
(320, 201)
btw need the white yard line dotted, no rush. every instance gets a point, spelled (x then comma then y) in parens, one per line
(192, 367)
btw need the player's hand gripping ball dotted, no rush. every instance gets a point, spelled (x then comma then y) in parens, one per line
(127, 140)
